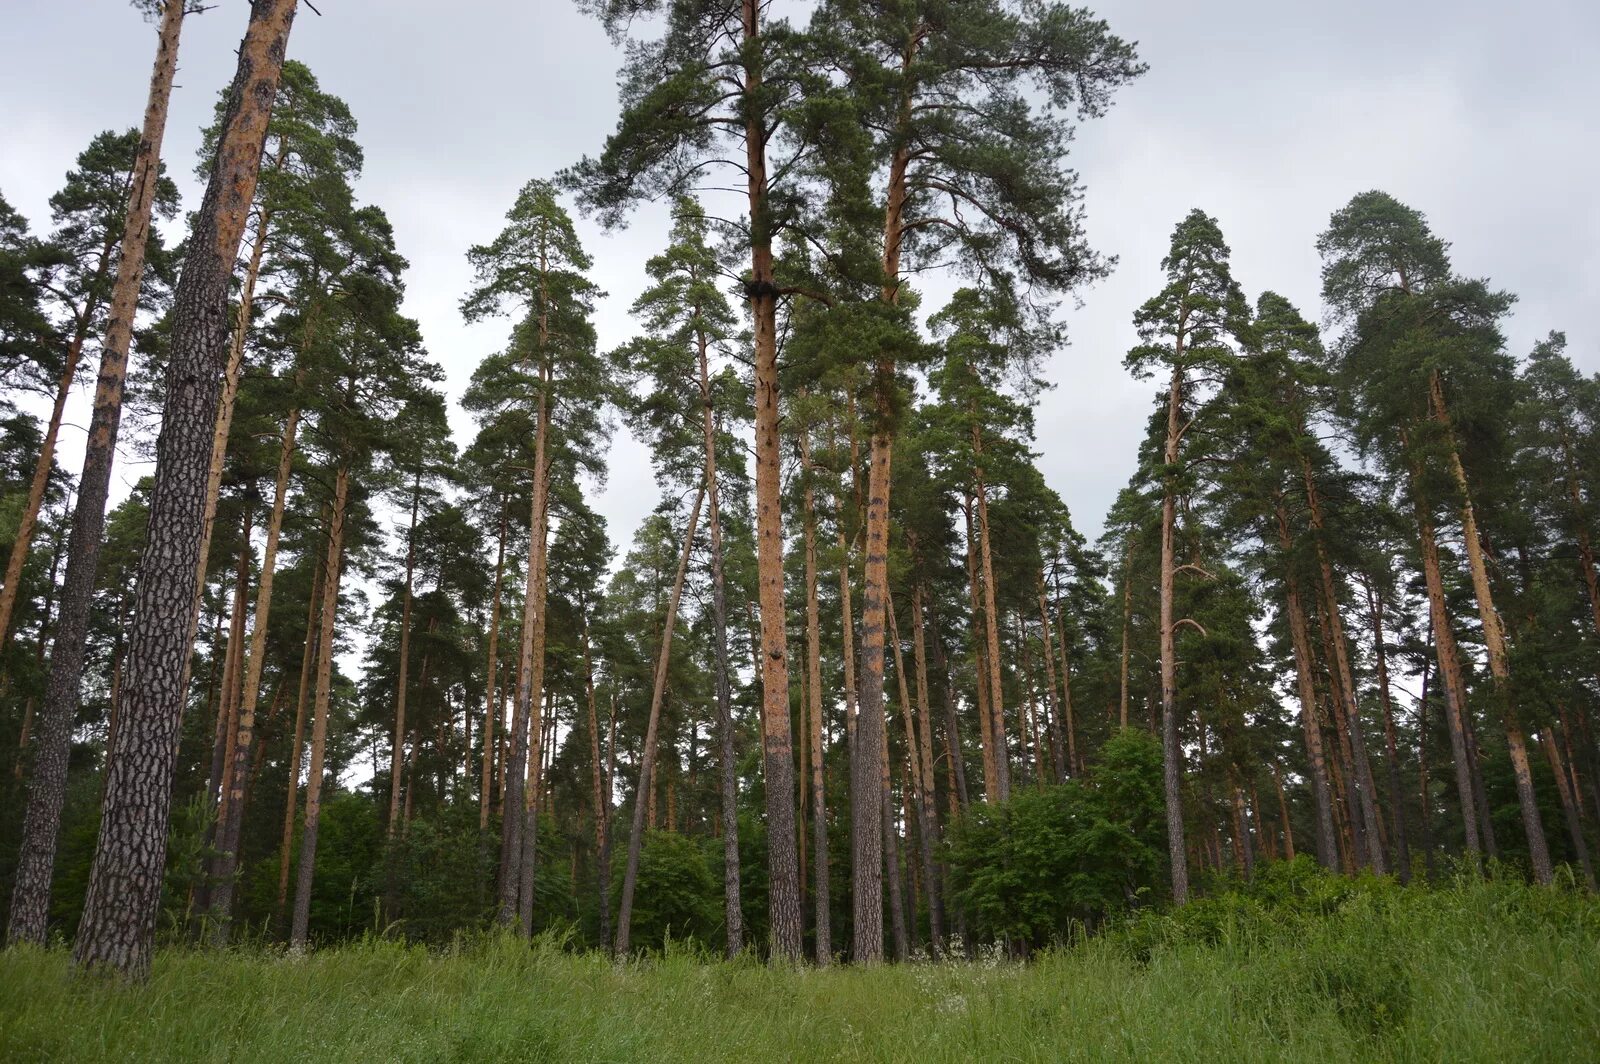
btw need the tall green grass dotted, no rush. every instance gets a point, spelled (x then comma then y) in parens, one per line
(1329, 970)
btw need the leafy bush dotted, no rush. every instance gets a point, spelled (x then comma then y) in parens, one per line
(677, 895)
(1028, 871)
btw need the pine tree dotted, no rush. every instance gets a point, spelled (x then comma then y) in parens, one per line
(48, 780)
(1186, 330)
(124, 887)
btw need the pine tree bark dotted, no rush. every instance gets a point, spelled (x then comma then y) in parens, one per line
(868, 769)
(306, 870)
(1127, 631)
(30, 898)
(957, 771)
(1380, 651)
(1569, 809)
(732, 908)
(919, 757)
(1366, 789)
(512, 820)
(297, 750)
(777, 748)
(991, 618)
(227, 724)
(1171, 750)
(986, 736)
(819, 802)
(490, 710)
(1455, 689)
(537, 697)
(118, 923)
(601, 795)
(1064, 761)
(630, 876)
(234, 776)
(1495, 640)
(1327, 850)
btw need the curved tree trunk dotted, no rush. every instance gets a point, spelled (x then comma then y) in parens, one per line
(630, 876)
(30, 898)
(300, 929)
(125, 881)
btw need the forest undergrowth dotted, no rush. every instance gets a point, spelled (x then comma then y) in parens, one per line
(1289, 968)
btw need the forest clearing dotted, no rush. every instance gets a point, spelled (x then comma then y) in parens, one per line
(783, 529)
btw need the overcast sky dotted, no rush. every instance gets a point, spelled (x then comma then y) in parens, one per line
(1268, 115)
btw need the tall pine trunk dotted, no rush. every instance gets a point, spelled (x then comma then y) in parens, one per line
(47, 788)
(991, 617)
(1402, 842)
(658, 691)
(299, 933)
(1455, 689)
(601, 795)
(733, 913)
(1494, 637)
(1172, 752)
(490, 710)
(919, 749)
(397, 753)
(118, 923)
(819, 803)
(308, 659)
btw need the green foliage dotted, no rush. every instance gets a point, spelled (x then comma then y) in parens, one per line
(678, 895)
(1029, 871)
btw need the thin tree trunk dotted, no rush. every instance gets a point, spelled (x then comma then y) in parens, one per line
(1172, 751)
(30, 899)
(118, 922)
(952, 731)
(602, 797)
(1327, 853)
(732, 908)
(630, 876)
(986, 736)
(1064, 762)
(869, 808)
(300, 928)
(513, 820)
(490, 710)
(1127, 627)
(991, 621)
(1391, 747)
(819, 802)
(292, 791)
(891, 852)
(398, 752)
(228, 721)
(1283, 811)
(1569, 808)
(1344, 678)
(919, 751)
(1455, 691)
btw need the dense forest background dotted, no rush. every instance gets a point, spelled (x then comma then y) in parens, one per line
(376, 644)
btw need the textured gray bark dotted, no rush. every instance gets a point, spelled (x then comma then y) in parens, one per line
(119, 916)
(47, 788)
